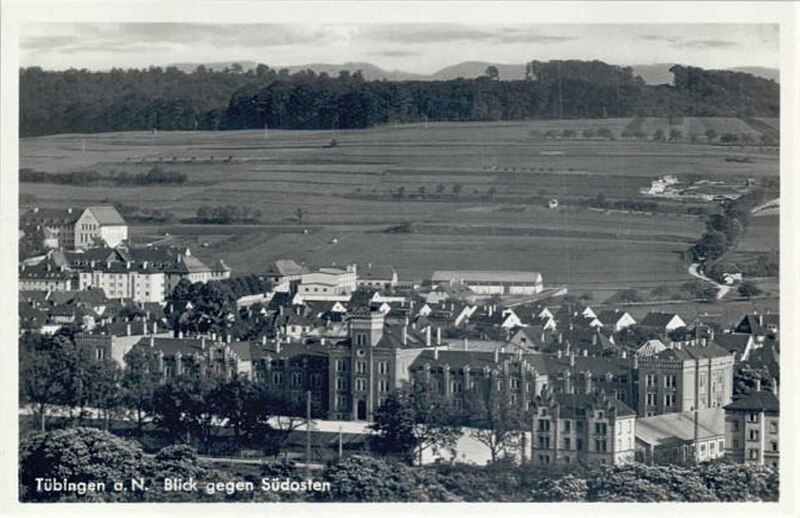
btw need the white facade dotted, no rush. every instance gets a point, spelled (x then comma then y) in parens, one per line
(113, 235)
(141, 286)
(327, 282)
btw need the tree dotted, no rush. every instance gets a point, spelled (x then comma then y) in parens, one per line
(492, 73)
(675, 135)
(711, 135)
(395, 426)
(78, 455)
(457, 189)
(440, 189)
(299, 213)
(140, 379)
(105, 393)
(748, 289)
(658, 135)
(605, 133)
(499, 422)
(238, 402)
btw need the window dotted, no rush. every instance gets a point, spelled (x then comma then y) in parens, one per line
(277, 378)
(544, 425)
(752, 417)
(544, 443)
(567, 425)
(361, 366)
(383, 367)
(600, 445)
(383, 386)
(579, 426)
(650, 380)
(341, 365)
(752, 454)
(100, 353)
(753, 435)
(735, 426)
(736, 444)
(651, 399)
(669, 399)
(297, 379)
(712, 446)
(316, 380)
(670, 381)
(579, 444)
(341, 383)
(544, 459)
(773, 427)
(567, 443)
(567, 460)
(456, 386)
(600, 428)
(773, 445)
(514, 383)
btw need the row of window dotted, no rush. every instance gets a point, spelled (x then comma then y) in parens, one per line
(669, 399)
(670, 380)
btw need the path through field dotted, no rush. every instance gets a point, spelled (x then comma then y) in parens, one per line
(722, 289)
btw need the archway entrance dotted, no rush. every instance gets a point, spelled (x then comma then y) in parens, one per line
(361, 410)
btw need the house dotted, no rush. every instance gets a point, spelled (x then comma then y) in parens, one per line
(328, 283)
(285, 270)
(100, 224)
(662, 322)
(582, 428)
(740, 345)
(376, 276)
(485, 282)
(731, 278)
(759, 325)
(51, 273)
(141, 282)
(752, 429)
(682, 438)
(685, 376)
(58, 225)
(616, 320)
(651, 348)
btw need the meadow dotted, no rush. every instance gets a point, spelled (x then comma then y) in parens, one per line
(472, 195)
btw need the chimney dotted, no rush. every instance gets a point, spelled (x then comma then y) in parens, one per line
(572, 359)
(711, 334)
(594, 338)
(228, 338)
(428, 336)
(405, 335)
(558, 354)
(36, 210)
(152, 341)
(585, 353)
(69, 210)
(280, 310)
(761, 320)
(490, 310)
(322, 341)
(203, 343)
(263, 339)
(588, 381)
(560, 337)
(624, 354)
(438, 336)
(180, 333)
(466, 343)
(567, 382)
(497, 355)
(758, 385)
(128, 329)
(435, 353)
(277, 346)
(635, 360)
(155, 327)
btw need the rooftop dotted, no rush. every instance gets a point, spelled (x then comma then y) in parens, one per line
(760, 401)
(486, 276)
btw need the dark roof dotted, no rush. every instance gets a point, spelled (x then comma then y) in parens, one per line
(761, 401)
(690, 352)
(594, 364)
(47, 216)
(610, 316)
(734, 342)
(106, 215)
(569, 403)
(657, 319)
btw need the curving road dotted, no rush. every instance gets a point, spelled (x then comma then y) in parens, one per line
(722, 289)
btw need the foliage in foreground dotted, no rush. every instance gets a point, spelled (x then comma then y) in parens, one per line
(89, 455)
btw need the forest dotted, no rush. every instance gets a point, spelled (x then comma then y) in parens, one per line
(82, 101)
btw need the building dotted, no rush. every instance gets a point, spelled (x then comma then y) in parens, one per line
(140, 281)
(685, 376)
(752, 429)
(58, 225)
(285, 270)
(662, 322)
(327, 283)
(616, 320)
(100, 226)
(376, 276)
(681, 438)
(586, 428)
(50, 273)
(485, 282)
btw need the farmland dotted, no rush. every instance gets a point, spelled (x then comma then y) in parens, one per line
(471, 195)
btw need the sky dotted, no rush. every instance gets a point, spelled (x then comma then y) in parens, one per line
(411, 47)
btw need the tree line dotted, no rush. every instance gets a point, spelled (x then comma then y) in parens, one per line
(155, 176)
(168, 99)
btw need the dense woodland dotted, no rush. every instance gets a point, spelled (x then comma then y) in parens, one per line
(81, 101)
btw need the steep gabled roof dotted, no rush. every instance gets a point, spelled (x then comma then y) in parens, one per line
(657, 319)
(106, 215)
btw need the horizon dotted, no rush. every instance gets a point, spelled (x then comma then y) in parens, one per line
(412, 48)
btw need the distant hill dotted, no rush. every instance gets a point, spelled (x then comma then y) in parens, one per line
(473, 69)
(653, 74)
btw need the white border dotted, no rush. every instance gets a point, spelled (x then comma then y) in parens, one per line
(17, 12)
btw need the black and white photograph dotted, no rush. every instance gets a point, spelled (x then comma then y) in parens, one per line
(400, 252)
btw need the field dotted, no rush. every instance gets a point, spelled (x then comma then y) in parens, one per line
(471, 195)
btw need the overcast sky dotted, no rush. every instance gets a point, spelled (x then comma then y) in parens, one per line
(421, 48)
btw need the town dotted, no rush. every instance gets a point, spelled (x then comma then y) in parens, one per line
(343, 343)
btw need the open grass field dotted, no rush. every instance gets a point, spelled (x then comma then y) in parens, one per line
(350, 192)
